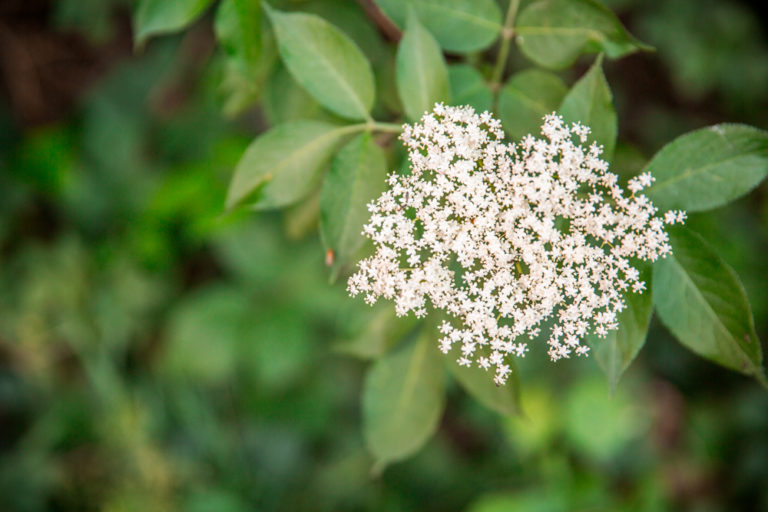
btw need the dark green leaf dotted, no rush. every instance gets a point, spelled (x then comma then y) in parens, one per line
(403, 398)
(702, 302)
(709, 167)
(326, 62)
(590, 102)
(504, 399)
(618, 349)
(469, 88)
(458, 25)
(244, 81)
(283, 165)
(154, 17)
(553, 33)
(421, 72)
(358, 175)
(238, 29)
(526, 99)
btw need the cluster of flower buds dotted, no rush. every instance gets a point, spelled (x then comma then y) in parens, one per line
(505, 236)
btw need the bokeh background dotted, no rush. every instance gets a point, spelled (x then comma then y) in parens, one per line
(158, 354)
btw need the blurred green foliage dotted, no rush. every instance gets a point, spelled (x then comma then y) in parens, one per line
(157, 353)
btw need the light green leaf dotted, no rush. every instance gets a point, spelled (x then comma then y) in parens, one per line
(504, 399)
(618, 349)
(590, 102)
(553, 33)
(238, 29)
(460, 26)
(702, 302)
(540, 500)
(421, 72)
(154, 17)
(598, 426)
(284, 100)
(403, 399)
(383, 331)
(283, 165)
(358, 175)
(326, 62)
(540, 424)
(709, 167)
(526, 98)
(469, 88)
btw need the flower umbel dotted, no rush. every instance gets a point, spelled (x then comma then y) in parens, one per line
(505, 236)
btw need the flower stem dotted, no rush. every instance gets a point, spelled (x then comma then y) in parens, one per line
(507, 32)
(386, 127)
(374, 126)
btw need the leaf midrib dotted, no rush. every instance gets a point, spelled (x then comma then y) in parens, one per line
(341, 80)
(410, 381)
(539, 106)
(708, 307)
(346, 228)
(282, 164)
(692, 171)
(571, 31)
(477, 20)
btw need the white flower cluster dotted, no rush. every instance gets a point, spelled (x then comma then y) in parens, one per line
(503, 236)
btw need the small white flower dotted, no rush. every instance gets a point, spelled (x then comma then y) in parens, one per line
(505, 236)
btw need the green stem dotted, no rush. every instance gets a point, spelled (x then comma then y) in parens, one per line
(386, 127)
(507, 33)
(374, 126)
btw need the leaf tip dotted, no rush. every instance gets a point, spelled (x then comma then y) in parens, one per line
(271, 11)
(378, 468)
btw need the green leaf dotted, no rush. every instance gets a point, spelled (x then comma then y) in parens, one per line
(540, 500)
(357, 25)
(284, 100)
(479, 383)
(702, 302)
(590, 102)
(421, 72)
(403, 399)
(326, 62)
(250, 53)
(618, 349)
(283, 165)
(460, 26)
(238, 29)
(243, 83)
(526, 98)
(154, 17)
(553, 33)
(469, 88)
(598, 426)
(358, 175)
(709, 167)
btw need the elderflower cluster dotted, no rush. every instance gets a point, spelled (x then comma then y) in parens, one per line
(505, 236)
